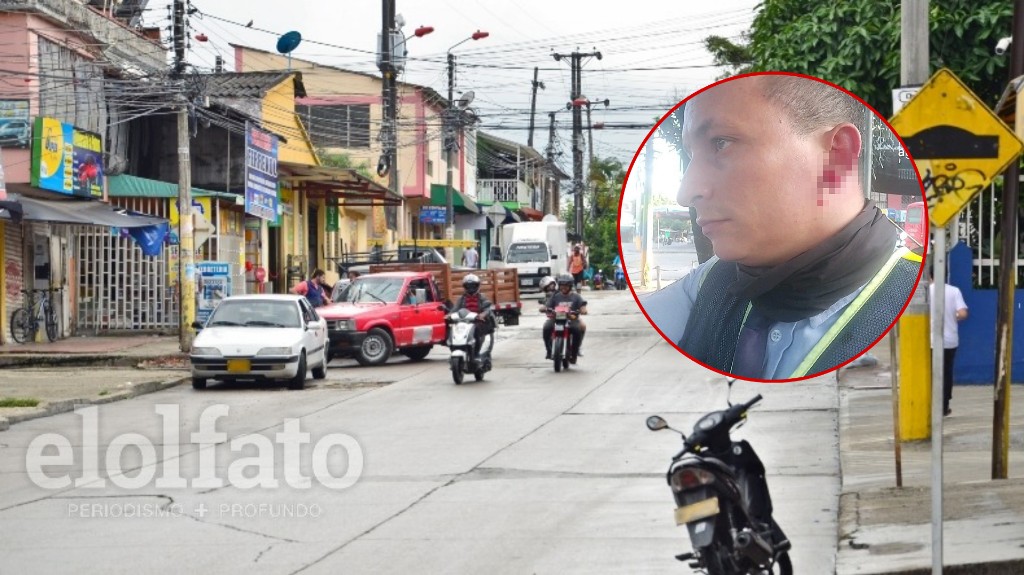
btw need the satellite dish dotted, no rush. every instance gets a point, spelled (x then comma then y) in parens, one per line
(466, 99)
(288, 42)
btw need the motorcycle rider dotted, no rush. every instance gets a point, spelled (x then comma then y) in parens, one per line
(476, 302)
(577, 305)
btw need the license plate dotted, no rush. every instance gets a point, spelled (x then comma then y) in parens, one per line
(524, 282)
(239, 366)
(697, 511)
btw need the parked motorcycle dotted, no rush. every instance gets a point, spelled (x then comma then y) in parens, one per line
(462, 343)
(561, 337)
(722, 497)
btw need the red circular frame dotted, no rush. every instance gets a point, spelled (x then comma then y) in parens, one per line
(622, 196)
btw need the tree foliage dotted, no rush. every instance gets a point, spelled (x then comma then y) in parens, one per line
(344, 161)
(856, 44)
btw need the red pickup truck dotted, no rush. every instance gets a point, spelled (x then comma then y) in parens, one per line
(381, 313)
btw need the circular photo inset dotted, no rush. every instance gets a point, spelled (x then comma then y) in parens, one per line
(784, 221)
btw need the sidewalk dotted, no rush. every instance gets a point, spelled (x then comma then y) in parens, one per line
(52, 375)
(124, 351)
(884, 529)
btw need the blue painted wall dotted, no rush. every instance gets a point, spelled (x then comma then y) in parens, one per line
(976, 358)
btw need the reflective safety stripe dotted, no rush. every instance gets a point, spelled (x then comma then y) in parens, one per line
(851, 311)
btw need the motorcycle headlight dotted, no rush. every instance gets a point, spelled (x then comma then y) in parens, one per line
(686, 478)
(205, 351)
(275, 351)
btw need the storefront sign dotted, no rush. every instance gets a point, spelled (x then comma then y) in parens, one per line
(260, 173)
(332, 218)
(432, 214)
(66, 159)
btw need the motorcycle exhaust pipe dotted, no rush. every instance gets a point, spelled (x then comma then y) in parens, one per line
(753, 547)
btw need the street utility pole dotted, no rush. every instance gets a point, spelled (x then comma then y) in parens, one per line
(576, 64)
(186, 239)
(1007, 277)
(388, 164)
(533, 104)
(550, 201)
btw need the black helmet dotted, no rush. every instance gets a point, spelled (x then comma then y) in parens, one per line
(471, 283)
(565, 279)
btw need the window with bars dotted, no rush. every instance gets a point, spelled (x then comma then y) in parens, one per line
(337, 125)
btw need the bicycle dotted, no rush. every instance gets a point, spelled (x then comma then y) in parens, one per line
(25, 322)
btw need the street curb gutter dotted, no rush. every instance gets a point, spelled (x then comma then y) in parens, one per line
(81, 360)
(64, 405)
(1011, 567)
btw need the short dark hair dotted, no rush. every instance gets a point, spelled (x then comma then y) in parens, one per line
(317, 273)
(812, 104)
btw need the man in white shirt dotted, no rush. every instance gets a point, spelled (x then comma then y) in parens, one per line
(955, 311)
(470, 257)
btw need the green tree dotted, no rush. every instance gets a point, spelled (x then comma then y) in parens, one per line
(601, 230)
(856, 44)
(344, 161)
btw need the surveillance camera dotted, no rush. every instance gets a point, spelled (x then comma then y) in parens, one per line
(1003, 45)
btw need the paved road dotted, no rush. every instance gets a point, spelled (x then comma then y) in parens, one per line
(674, 261)
(527, 472)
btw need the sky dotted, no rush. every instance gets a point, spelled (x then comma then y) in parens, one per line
(652, 53)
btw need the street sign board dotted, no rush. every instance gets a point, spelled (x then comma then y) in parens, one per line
(957, 142)
(433, 214)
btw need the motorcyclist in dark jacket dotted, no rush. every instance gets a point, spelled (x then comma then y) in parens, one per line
(577, 305)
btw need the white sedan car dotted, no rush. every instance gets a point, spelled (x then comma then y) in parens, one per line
(260, 337)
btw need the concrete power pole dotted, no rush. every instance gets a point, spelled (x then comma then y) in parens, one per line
(533, 105)
(576, 60)
(186, 239)
(389, 87)
(551, 202)
(1007, 277)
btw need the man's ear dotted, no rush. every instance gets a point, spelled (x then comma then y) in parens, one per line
(843, 145)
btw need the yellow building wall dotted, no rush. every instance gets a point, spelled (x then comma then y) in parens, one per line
(419, 166)
(279, 116)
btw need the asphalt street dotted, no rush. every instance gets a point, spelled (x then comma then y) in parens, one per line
(528, 471)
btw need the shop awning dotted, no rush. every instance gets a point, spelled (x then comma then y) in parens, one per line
(460, 202)
(136, 187)
(73, 211)
(499, 213)
(345, 183)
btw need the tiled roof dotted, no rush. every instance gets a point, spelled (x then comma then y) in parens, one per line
(249, 84)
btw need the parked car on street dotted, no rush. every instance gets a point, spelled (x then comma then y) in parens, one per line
(260, 337)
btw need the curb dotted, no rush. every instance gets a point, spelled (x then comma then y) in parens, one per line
(55, 407)
(1010, 567)
(76, 360)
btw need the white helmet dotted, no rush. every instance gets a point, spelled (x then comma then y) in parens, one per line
(545, 282)
(471, 283)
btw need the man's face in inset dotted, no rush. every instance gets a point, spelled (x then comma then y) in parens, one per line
(754, 180)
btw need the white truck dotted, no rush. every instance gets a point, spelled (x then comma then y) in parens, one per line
(535, 250)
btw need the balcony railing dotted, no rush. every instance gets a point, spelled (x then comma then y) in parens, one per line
(121, 46)
(503, 191)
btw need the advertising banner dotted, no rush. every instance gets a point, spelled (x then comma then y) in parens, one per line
(15, 124)
(66, 160)
(260, 173)
(215, 286)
